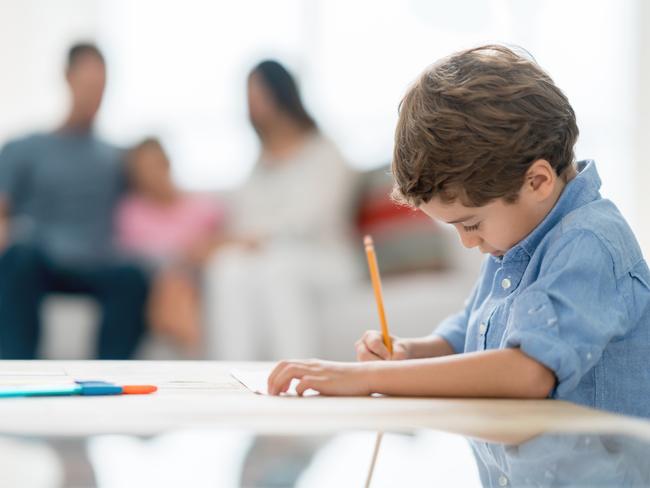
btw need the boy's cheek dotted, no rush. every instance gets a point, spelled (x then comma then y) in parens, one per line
(501, 240)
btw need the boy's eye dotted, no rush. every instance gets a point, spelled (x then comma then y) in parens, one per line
(471, 228)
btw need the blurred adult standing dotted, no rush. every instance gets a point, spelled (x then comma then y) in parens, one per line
(292, 216)
(58, 193)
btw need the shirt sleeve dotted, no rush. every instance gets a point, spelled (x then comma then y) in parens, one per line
(575, 308)
(454, 328)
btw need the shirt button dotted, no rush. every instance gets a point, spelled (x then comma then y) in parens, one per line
(482, 328)
(503, 481)
(505, 283)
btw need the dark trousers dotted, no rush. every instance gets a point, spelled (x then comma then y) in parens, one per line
(27, 276)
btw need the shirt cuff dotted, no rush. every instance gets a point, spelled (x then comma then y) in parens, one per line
(534, 328)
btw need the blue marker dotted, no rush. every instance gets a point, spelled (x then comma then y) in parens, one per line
(94, 387)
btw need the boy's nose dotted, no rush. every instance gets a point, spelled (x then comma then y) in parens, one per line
(469, 240)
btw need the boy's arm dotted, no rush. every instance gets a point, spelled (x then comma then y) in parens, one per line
(428, 347)
(448, 338)
(503, 373)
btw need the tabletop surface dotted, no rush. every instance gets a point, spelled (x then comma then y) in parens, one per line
(203, 394)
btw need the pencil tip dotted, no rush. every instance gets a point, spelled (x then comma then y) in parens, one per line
(367, 241)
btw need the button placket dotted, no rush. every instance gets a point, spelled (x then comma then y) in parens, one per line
(482, 328)
(511, 271)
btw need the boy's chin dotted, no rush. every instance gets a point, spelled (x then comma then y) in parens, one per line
(496, 254)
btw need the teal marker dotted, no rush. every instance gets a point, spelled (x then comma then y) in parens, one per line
(39, 390)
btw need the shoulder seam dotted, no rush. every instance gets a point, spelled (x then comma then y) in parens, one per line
(605, 243)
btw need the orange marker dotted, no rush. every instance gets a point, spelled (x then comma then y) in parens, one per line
(138, 389)
(376, 285)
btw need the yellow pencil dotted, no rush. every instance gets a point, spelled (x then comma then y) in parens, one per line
(376, 285)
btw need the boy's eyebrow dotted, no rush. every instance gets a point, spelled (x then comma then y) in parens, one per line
(462, 219)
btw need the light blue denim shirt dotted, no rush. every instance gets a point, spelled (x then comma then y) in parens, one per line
(575, 296)
(565, 460)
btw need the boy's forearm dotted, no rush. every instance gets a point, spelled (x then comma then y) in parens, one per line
(505, 373)
(428, 347)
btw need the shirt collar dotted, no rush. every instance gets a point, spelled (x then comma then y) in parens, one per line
(582, 189)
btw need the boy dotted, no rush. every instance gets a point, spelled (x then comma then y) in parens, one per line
(561, 308)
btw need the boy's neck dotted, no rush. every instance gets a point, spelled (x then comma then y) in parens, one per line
(570, 173)
(562, 182)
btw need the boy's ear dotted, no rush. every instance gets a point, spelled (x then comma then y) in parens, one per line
(540, 179)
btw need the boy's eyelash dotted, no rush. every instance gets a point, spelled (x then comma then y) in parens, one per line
(470, 228)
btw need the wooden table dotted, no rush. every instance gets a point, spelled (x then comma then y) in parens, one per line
(203, 394)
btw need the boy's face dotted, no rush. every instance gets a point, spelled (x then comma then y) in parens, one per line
(498, 226)
(493, 228)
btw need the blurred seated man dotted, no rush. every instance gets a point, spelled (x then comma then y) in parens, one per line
(58, 194)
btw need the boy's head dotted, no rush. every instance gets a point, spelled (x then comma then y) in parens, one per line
(484, 141)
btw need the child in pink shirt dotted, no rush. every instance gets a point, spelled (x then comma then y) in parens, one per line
(173, 231)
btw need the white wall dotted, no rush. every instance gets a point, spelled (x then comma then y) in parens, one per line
(642, 132)
(34, 37)
(177, 69)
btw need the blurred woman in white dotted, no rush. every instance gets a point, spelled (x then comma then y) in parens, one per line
(291, 219)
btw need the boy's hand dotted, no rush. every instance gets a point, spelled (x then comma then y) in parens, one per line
(326, 377)
(371, 347)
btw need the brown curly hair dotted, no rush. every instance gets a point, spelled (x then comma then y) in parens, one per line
(473, 123)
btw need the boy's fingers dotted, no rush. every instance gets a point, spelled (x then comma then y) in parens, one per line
(399, 353)
(274, 374)
(363, 353)
(283, 365)
(305, 384)
(282, 381)
(375, 344)
(277, 378)
(370, 334)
